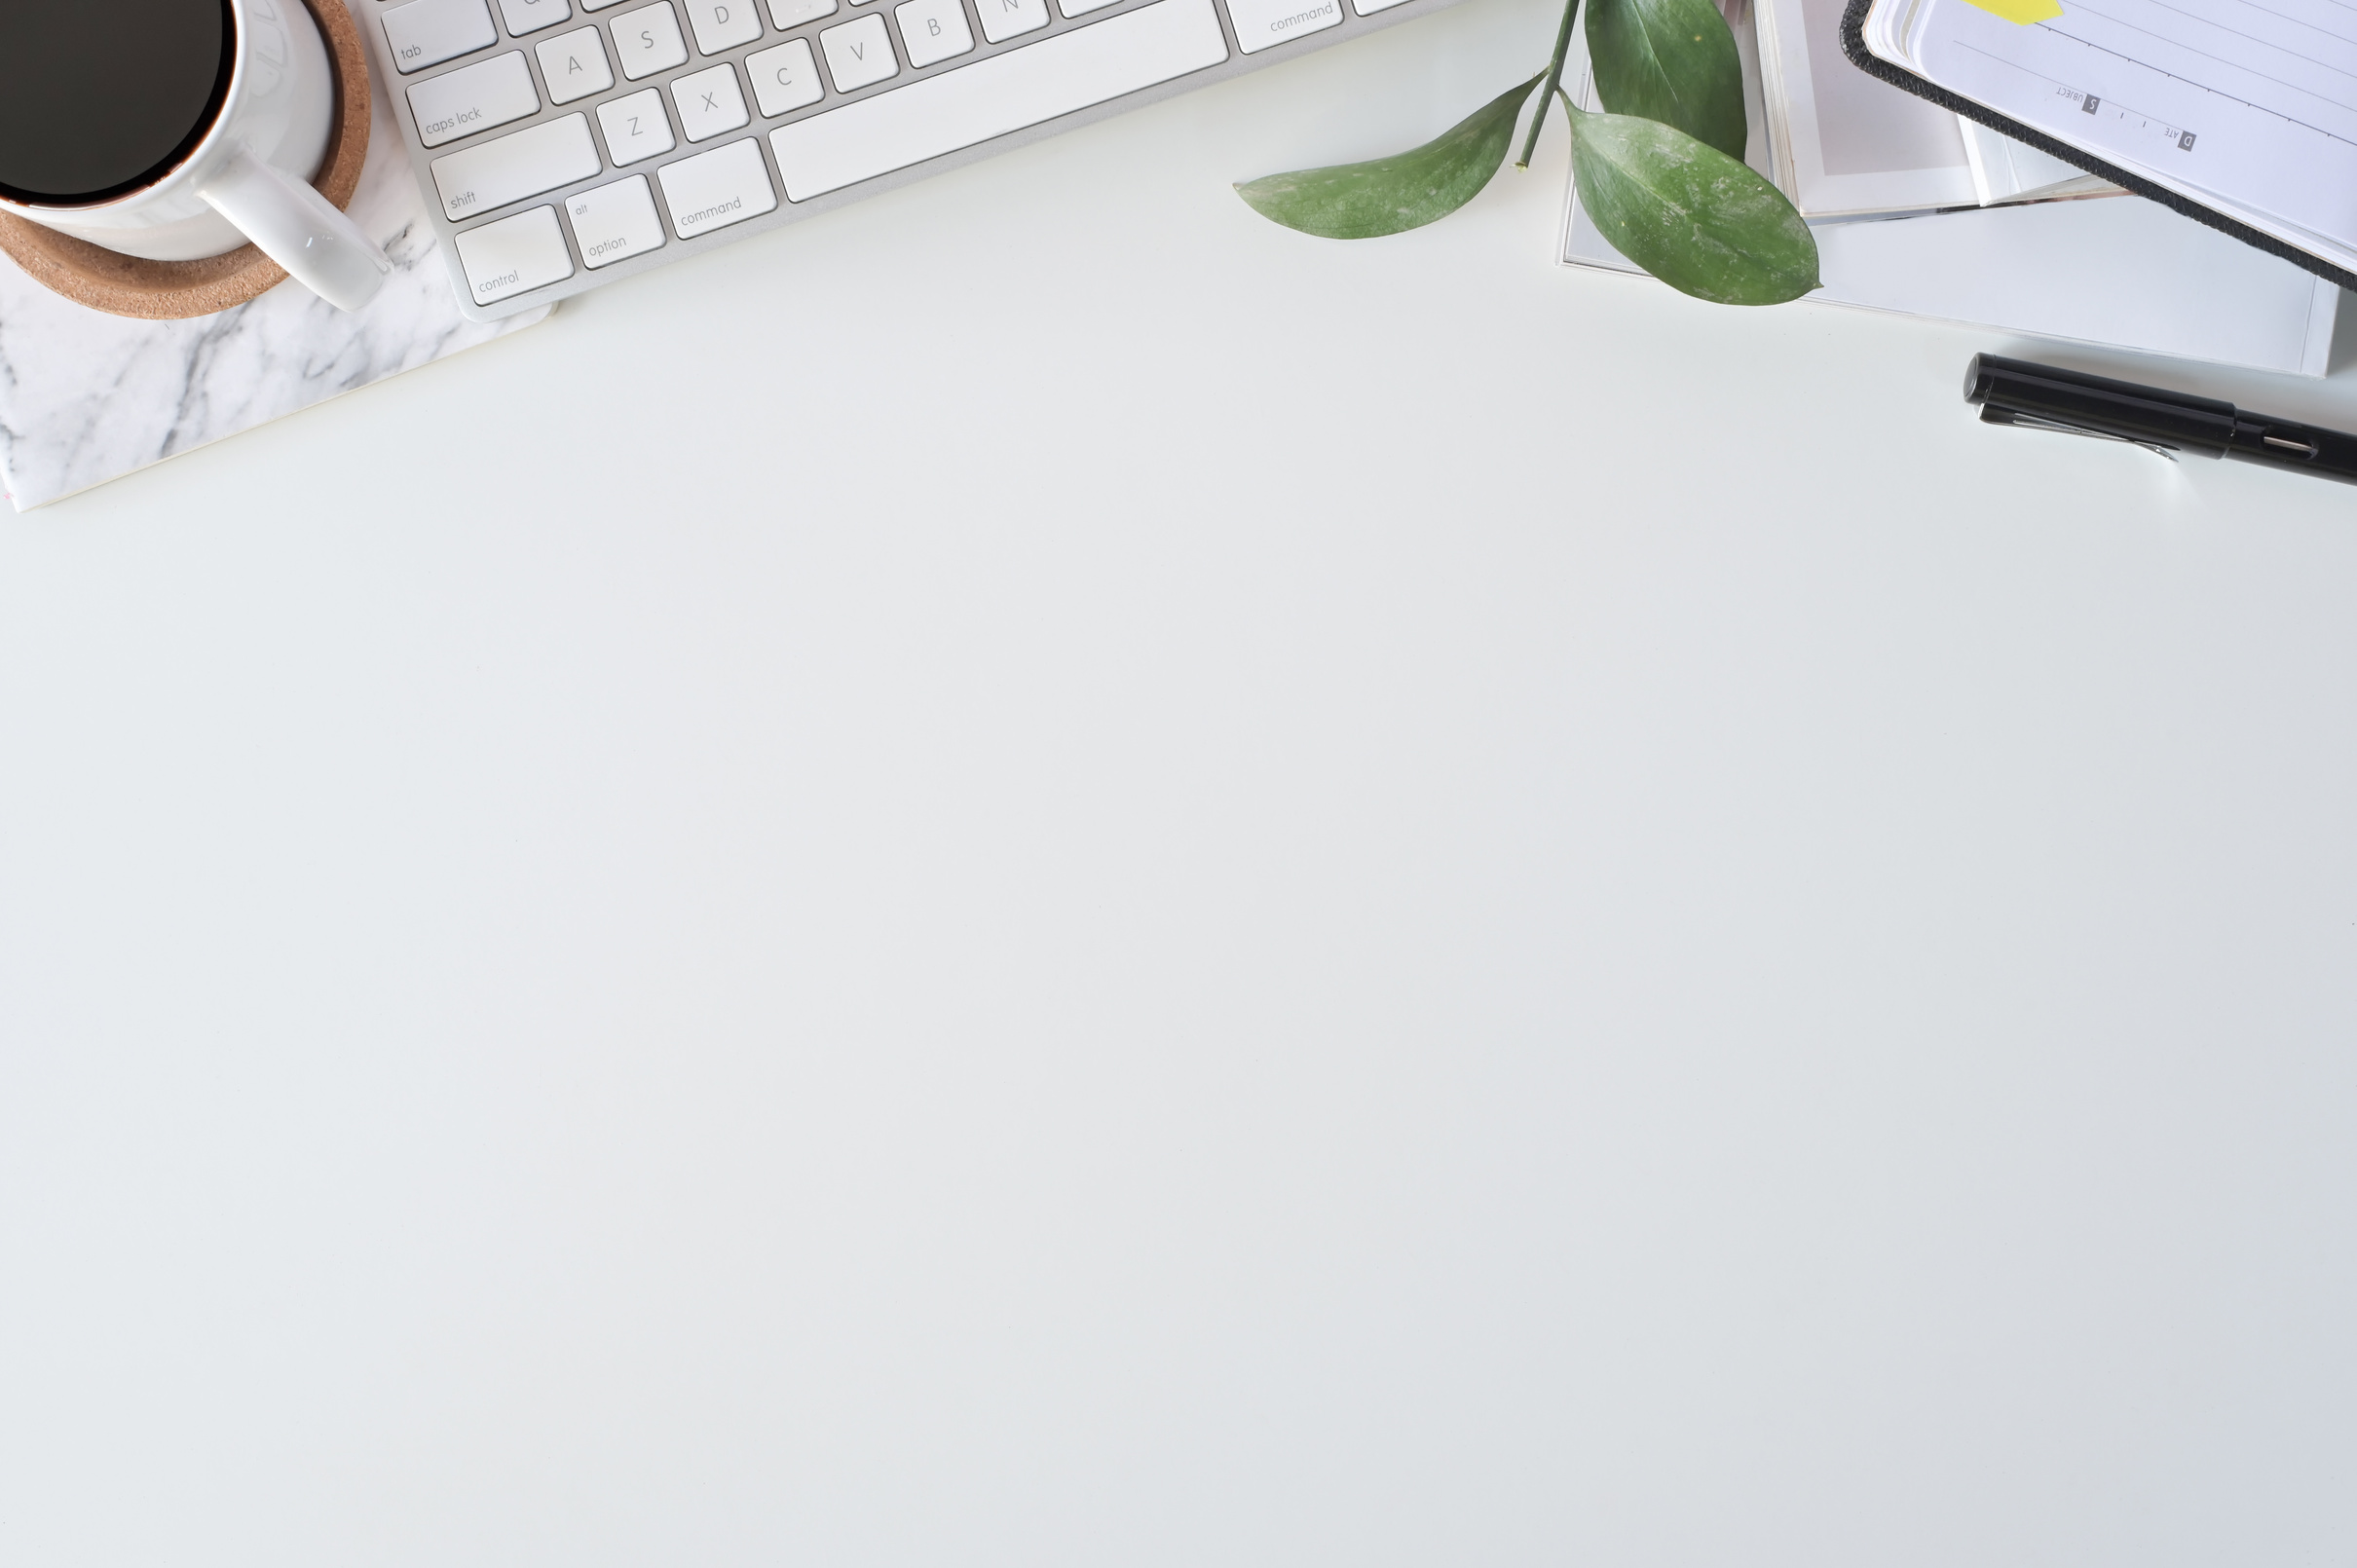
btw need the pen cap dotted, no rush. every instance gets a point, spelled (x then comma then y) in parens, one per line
(2203, 425)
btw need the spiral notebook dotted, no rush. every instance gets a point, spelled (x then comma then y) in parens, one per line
(2241, 117)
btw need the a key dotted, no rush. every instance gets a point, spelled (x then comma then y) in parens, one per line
(513, 254)
(573, 65)
(1265, 23)
(709, 102)
(1002, 20)
(785, 77)
(531, 15)
(647, 40)
(1004, 92)
(722, 24)
(785, 14)
(932, 31)
(1081, 8)
(614, 221)
(714, 189)
(427, 32)
(635, 127)
(858, 54)
(472, 98)
(523, 163)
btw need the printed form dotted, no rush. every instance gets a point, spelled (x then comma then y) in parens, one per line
(2232, 102)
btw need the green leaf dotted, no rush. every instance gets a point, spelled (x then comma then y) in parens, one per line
(1391, 195)
(1671, 61)
(1689, 215)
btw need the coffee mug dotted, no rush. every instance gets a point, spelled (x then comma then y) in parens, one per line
(175, 129)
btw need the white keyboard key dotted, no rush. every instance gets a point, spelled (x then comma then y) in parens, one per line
(714, 189)
(990, 98)
(1367, 8)
(427, 32)
(531, 15)
(635, 127)
(573, 65)
(508, 168)
(1002, 20)
(722, 24)
(709, 102)
(472, 98)
(858, 54)
(1081, 8)
(647, 40)
(784, 13)
(785, 77)
(1265, 23)
(598, 5)
(933, 31)
(513, 254)
(614, 222)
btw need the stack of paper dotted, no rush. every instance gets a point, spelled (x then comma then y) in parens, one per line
(2118, 272)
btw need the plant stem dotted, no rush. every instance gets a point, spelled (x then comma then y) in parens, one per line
(1555, 79)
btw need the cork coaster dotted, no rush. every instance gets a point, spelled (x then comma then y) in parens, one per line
(168, 291)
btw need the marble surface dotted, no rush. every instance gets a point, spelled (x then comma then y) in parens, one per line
(85, 397)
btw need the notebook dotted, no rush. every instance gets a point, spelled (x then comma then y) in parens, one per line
(2241, 115)
(2113, 273)
(1845, 145)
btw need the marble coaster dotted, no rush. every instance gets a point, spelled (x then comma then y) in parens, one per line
(168, 290)
(85, 397)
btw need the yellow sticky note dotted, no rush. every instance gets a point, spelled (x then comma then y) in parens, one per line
(2024, 12)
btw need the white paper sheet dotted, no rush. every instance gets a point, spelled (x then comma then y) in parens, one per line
(1844, 143)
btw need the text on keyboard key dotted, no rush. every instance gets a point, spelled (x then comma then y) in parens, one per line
(785, 77)
(714, 189)
(614, 221)
(427, 32)
(858, 54)
(1265, 23)
(635, 127)
(523, 163)
(472, 98)
(647, 40)
(1002, 20)
(990, 98)
(573, 65)
(932, 30)
(531, 15)
(722, 24)
(514, 254)
(708, 102)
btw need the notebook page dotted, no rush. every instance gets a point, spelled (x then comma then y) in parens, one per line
(2212, 98)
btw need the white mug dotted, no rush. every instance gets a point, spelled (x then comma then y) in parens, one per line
(249, 176)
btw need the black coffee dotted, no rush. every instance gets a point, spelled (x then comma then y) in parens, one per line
(99, 97)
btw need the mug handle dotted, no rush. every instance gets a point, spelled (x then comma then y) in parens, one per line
(299, 229)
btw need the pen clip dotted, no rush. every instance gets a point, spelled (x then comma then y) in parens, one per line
(1991, 414)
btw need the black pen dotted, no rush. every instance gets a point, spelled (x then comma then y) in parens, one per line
(2046, 397)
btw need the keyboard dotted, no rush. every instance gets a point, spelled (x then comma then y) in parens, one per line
(562, 143)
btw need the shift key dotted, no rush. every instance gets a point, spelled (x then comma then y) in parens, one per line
(525, 164)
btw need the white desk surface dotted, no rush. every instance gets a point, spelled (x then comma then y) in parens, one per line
(1041, 875)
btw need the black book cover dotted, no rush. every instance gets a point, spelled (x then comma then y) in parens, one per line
(1853, 44)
